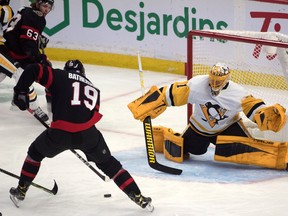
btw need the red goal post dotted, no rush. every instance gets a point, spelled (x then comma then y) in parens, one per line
(257, 60)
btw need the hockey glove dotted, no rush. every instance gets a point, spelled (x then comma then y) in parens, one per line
(43, 41)
(21, 99)
(43, 59)
(271, 118)
(151, 104)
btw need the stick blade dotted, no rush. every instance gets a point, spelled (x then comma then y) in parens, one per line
(55, 188)
(166, 169)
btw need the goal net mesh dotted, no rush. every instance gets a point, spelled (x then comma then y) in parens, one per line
(257, 60)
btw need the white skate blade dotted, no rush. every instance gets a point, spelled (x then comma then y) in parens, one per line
(150, 207)
(15, 201)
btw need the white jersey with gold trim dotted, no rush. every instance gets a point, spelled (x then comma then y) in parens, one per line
(211, 114)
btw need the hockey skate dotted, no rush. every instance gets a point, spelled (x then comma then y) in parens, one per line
(17, 195)
(143, 202)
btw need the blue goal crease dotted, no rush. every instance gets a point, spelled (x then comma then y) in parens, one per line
(198, 168)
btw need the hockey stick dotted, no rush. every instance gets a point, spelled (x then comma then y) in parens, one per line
(53, 191)
(149, 140)
(103, 177)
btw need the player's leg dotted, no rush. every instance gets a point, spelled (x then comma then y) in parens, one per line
(34, 105)
(177, 147)
(44, 146)
(96, 150)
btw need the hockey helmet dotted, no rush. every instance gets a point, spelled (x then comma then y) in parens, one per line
(4, 2)
(75, 65)
(219, 76)
(51, 2)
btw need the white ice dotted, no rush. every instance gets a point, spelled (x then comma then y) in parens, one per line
(205, 188)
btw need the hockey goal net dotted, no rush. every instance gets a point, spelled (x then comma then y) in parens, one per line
(257, 60)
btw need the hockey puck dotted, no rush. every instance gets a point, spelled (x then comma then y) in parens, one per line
(107, 195)
(0, 214)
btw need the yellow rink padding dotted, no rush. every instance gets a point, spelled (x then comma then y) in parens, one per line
(116, 60)
(161, 65)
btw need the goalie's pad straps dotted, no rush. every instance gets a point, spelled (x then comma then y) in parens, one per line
(244, 150)
(173, 146)
(168, 142)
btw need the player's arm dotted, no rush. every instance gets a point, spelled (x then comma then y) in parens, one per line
(266, 117)
(177, 94)
(30, 34)
(33, 72)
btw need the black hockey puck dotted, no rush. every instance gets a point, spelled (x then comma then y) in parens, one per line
(107, 195)
(0, 214)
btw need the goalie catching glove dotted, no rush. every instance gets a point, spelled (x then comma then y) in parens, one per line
(271, 118)
(151, 104)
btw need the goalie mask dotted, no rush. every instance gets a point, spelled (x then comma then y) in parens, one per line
(219, 76)
(75, 65)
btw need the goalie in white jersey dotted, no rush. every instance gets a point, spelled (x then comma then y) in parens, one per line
(217, 102)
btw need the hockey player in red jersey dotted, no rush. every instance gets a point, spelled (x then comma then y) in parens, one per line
(23, 40)
(217, 102)
(75, 109)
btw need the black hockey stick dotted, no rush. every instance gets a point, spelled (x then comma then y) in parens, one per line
(103, 177)
(149, 141)
(151, 151)
(53, 191)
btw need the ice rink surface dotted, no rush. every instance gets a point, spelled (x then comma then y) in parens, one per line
(205, 188)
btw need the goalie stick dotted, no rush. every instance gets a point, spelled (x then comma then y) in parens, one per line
(103, 177)
(149, 141)
(53, 191)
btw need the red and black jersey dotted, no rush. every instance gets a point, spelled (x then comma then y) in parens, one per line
(22, 34)
(75, 100)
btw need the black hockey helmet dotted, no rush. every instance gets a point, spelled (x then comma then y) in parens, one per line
(75, 65)
(35, 4)
(51, 2)
(4, 2)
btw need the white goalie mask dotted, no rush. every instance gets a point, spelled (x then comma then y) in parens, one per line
(219, 76)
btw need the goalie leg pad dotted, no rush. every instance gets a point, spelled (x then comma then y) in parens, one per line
(173, 146)
(151, 104)
(244, 150)
(271, 118)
